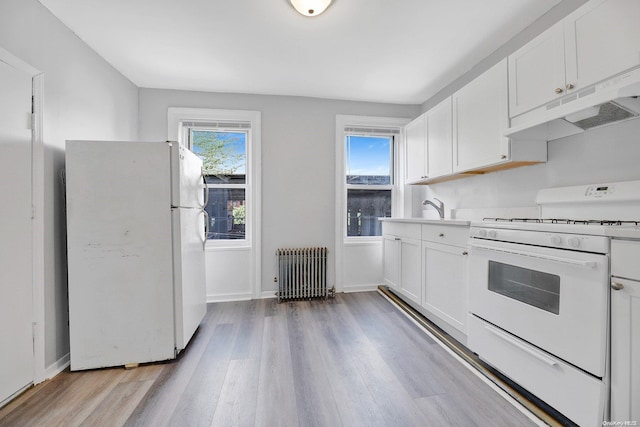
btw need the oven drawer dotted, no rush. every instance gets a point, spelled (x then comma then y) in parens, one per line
(577, 395)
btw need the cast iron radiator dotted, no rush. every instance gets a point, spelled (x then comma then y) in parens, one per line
(302, 273)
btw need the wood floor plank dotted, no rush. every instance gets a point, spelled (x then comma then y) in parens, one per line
(238, 397)
(198, 402)
(117, 406)
(158, 405)
(248, 342)
(276, 403)
(349, 361)
(316, 404)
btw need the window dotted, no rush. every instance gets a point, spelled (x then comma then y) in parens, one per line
(224, 157)
(228, 141)
(369, 164)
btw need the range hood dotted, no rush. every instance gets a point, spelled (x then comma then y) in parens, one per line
(598, 105)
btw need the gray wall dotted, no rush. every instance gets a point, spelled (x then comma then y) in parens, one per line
(84, 98)
(298, 159)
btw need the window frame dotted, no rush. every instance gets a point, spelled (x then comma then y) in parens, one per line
(343, 122)
(188, 135)
(249, 122)
(381, 187)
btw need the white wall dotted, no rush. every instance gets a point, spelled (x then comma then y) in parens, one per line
(84, 98)
(298, 164)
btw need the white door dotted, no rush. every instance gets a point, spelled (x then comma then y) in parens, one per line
(16, 369)
(415, 144)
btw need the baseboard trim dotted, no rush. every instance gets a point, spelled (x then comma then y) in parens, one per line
(58, 366)
(360, 288)
(244, 296)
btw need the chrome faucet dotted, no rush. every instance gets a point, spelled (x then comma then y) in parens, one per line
(439, 208)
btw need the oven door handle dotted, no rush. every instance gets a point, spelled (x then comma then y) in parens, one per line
(536, 354)
(589, 264)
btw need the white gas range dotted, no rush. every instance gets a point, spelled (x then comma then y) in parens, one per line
(539, 294)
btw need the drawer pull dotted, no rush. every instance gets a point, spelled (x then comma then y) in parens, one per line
(441, 235)
(617, 286)
(465, 253)
(512, 341)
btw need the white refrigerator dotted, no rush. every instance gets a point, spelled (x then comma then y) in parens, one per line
(135, 244)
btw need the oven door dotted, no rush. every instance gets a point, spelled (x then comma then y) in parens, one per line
(555, 299)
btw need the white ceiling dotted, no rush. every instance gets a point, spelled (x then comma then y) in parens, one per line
(401, 51)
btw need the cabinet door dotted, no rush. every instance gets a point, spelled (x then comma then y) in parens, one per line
(391, 260)
(415, 145)
(410, 269)
(537, 71)
(439, 140)
(602, 39)
(479, 118)
(445, 283)
(625, 350)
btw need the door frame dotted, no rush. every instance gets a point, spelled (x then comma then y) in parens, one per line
(37, 211)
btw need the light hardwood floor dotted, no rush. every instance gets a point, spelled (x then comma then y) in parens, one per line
(352, 361)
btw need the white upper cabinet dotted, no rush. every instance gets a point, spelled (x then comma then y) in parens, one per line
(439, 140)
(537, 71)
(480, 116)
(415, 146)
(602, 39)
(597, 41)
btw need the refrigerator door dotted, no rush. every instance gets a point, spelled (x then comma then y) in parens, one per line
(189, 276)
(186, 178)
(119, 253)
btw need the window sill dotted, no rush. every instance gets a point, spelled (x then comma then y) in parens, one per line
(362, 241)
(227, 246)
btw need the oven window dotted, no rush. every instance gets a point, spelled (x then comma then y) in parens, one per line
(531, 287)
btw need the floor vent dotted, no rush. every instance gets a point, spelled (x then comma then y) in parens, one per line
(302, 273)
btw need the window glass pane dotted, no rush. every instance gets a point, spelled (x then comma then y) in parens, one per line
(531, 287)
(364, 207)
(226, 209)
(368, 160)
(223, 154)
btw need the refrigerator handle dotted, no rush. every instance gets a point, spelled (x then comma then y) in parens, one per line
(206, 228)
(206, 189)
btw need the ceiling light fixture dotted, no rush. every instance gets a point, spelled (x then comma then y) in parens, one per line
(310, 7)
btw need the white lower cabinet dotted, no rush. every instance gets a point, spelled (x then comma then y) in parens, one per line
(444, 284)
(401, 264)
(625, 330)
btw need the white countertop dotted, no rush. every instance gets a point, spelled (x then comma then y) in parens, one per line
(445, 221)
(623, 232)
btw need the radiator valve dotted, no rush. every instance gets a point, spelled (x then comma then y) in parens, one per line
(332, 292)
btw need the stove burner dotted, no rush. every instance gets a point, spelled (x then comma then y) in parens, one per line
(607, 222)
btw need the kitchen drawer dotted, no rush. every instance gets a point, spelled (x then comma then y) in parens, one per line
(401, 229)
(577, 395)
(446, 234)
(624, 258)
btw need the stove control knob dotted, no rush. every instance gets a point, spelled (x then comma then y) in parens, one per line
(482, 233)
(574, 242)
(556, 240)
(491, 234)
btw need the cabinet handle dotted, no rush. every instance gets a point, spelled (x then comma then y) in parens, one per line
(570, 86)
(503, 156)
(441, 235)
(617, 286)
(558, 90)
(465, 253)
(397, 238)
